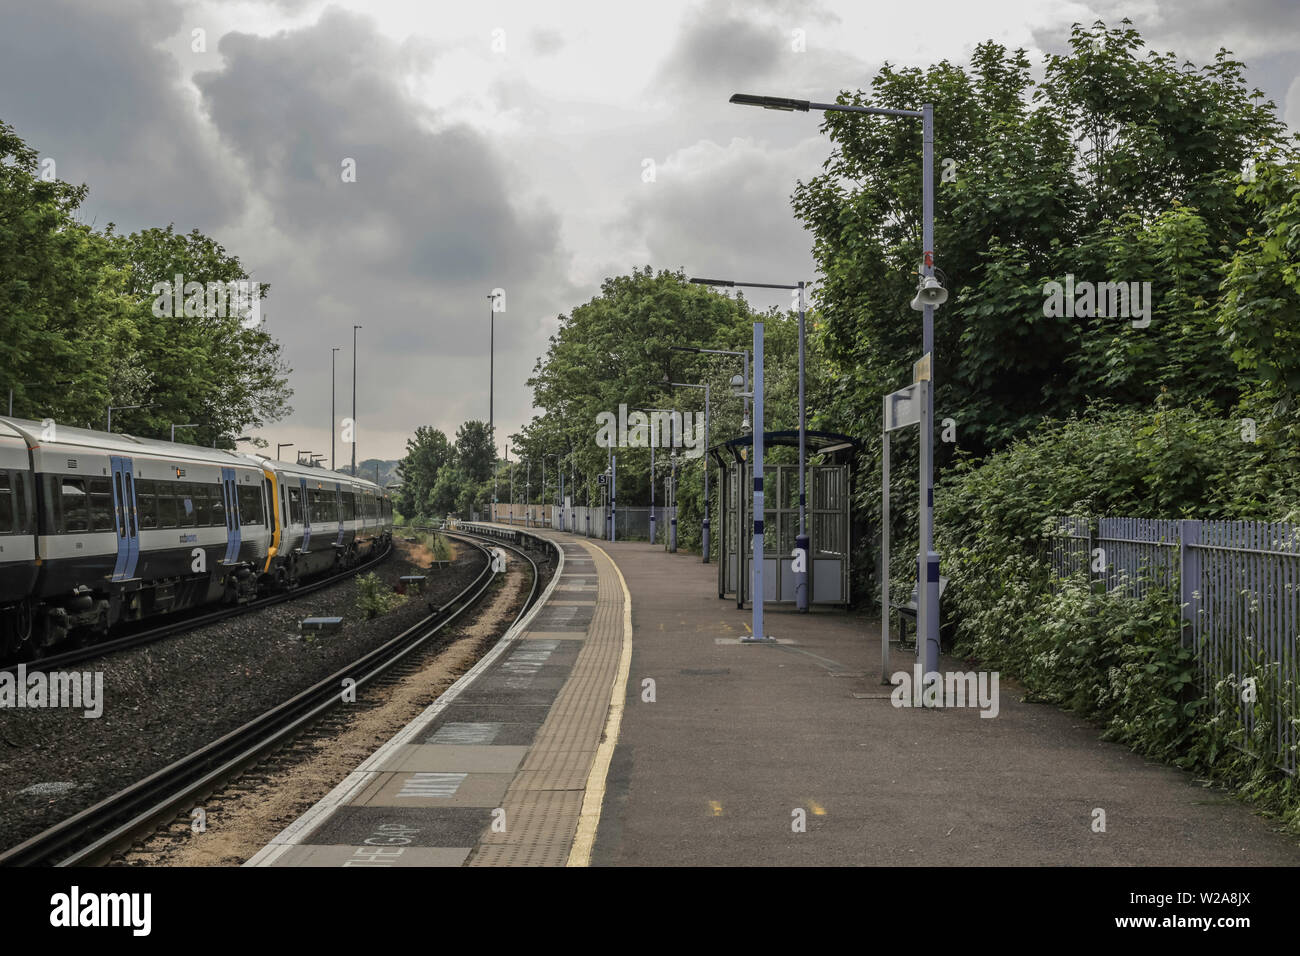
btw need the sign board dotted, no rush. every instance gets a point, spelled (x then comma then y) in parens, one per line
(903, 407)
(568, 502)
(602, 479)
(921, 369)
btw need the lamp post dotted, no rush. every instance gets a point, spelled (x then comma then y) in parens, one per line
(743, 353)
(354, 398)
(704, 525)
(560, 489)
(929, 295)
(334, 353)
(174, 427)
(122, 408)
(285, 444)
(800, 558)
(653, 434)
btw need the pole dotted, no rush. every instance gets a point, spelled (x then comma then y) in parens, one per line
(704, 528)
(672, 503)
(652, 489)
(492, 344)
(759, 636)
(801, 541)
(528, 494)
(613, 498)
(110, 422)
(928, 559)
(354, 398)
(334, 354)
(884, 547)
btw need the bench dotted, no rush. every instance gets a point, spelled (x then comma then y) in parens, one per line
(910, 608)
(320, 624)
(413, 579)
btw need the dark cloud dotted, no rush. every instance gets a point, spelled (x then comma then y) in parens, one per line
(409, 250)
(86, 85)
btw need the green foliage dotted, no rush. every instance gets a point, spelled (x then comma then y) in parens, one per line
(437, 546)
(77, 329)
(374, 597)
(1260, 309)
(1115, 659)
(1120, 165)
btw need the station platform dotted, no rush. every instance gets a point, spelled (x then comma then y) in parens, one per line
(627, 724)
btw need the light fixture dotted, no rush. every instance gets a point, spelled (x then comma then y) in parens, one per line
(929, 292)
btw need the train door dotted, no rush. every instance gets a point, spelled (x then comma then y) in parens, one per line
(338, 497)
(125, 518)
(306, 516)
(230, 493)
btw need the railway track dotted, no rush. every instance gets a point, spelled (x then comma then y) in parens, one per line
(190, 622)
(91, 836)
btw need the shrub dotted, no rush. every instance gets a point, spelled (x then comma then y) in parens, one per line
(374, 597)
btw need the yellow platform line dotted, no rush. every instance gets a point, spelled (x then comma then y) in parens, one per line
(594, 795)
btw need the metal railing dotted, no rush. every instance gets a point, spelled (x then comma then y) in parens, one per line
(1238, 585)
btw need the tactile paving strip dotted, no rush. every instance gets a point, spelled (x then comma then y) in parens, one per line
(548, 789)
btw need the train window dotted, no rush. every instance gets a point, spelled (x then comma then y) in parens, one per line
(250, 504)
(73, 513)
(146, 493)
(295, 505)
(185, 510)
(22, 524)
(167, 506)
(7, 509)
(268, 502)
(218, 518)
(101, 503)
(201, 496)
(349, 505)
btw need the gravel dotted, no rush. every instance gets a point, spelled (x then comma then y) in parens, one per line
(167, 699)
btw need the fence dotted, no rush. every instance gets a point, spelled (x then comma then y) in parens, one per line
(1237, 582)
(632, 523)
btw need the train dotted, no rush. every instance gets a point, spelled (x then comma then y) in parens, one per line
(99, 529)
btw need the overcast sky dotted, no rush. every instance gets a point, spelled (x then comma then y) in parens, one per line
(496, 145)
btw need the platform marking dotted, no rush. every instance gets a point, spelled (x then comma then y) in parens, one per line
(468, 733)
(594, 795)
(424, 784)
(715, 807)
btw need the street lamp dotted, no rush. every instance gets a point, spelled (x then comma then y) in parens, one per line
(334, 422)
(928, 296)
(354, 399)
(122, 408)
(756, 397)
(743, 353)
(704, 525)
(285, 444)
(174, 427)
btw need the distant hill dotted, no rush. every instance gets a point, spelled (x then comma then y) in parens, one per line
(366, 468)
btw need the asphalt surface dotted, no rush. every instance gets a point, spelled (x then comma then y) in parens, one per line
(740, 739)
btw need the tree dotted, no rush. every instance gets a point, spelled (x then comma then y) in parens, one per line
(427, 453)
(474, 450)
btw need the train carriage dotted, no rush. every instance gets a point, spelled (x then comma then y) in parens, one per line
(129, 527)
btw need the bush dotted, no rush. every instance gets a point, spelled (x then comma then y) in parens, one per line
(1115, 659)
(374, 597)
(437, 546)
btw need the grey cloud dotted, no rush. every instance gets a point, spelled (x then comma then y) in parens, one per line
(86, 85)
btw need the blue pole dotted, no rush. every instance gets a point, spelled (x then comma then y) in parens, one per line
(759, 636)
